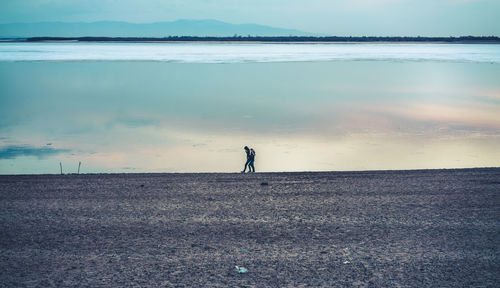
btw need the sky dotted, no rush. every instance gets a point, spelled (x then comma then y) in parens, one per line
(331, 17)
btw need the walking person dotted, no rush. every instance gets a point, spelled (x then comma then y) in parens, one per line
(250, 160)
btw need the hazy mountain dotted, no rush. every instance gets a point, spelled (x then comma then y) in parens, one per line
(125, 29)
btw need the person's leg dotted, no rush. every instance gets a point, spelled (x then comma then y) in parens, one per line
(252, 168)
(246, 164)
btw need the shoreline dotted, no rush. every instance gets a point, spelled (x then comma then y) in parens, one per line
(269, 173)
(256, 42)
(268, 39)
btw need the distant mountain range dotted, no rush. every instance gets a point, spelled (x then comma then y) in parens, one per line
(125, 29)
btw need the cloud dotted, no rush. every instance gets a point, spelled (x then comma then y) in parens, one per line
(14, 151)
(479, 117)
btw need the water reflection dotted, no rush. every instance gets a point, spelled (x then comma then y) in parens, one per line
(155, 117)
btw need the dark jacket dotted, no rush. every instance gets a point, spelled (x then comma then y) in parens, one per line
(252, 154)
(248, 154)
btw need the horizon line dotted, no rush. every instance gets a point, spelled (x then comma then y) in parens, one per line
(469, 39)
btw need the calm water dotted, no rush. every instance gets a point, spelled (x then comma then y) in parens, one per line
(243, 53)
(302, 107)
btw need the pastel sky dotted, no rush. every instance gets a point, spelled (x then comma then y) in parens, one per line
(149, 116)
(339, 17)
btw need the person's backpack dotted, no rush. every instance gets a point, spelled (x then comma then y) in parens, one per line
(252, 153)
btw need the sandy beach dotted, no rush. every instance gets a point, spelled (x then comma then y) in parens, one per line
(421, 228)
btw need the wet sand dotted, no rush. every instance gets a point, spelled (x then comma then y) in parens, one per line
(428, 228)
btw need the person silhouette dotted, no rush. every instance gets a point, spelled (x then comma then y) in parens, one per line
(250, 160)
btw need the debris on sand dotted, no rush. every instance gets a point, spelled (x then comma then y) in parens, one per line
(241, 269)
(264, 184)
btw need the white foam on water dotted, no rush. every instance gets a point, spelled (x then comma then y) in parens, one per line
(199, 52)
